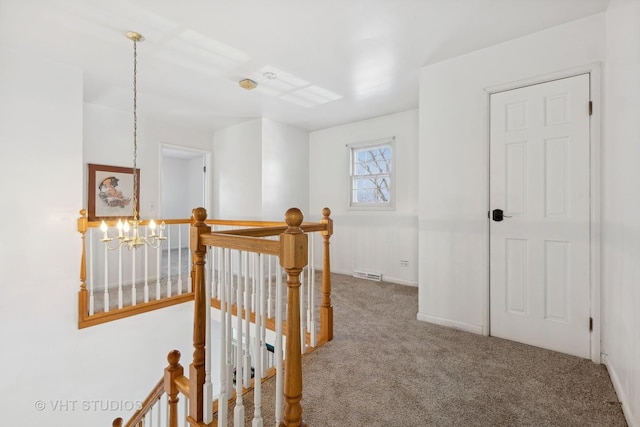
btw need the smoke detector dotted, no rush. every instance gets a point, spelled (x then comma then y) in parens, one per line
(248, 84)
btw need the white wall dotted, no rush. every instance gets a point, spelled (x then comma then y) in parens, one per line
(368, 240)
(237, 171)
(108, 140)
(620, 205)
(260, 170)
(454, 155)
(44, 354)
(454, 161)
(285, 169)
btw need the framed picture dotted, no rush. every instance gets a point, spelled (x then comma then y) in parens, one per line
(110, 192)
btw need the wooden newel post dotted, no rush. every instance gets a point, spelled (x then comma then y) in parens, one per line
(326, 310)
(200, 313)
(82, 294)
(171, 372)
(293, 258)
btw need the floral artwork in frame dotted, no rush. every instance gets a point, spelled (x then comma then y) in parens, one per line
(110, 192)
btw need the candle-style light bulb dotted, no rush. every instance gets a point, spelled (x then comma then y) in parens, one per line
(119, 226)
(104, 229)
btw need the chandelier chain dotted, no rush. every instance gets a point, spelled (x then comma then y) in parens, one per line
(132, 239)
(135, 130)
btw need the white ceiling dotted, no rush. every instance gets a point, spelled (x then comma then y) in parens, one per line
(335, 61)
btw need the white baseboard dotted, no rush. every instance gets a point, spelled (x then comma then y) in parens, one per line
(399, 281)
(622, 397)
(468, 327)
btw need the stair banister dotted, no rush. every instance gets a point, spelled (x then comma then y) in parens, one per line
(82, 295)
(201, 310)
(326, 310)
(171, 373)
(293, 258)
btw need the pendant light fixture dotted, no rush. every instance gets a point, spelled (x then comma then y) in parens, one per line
(128, 231)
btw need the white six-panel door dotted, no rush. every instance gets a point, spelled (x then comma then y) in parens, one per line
(539, 253)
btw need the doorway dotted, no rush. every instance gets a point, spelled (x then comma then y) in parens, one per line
(184, 181)
(540, 221)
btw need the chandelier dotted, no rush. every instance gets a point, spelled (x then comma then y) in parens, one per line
(128, 232)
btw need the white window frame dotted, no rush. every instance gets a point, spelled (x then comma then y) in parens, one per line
(352, 149)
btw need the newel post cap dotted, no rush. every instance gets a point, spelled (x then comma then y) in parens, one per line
(293, 242)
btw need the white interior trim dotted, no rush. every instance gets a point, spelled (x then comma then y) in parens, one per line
(468, 327)
(622, 397)
(595, 86)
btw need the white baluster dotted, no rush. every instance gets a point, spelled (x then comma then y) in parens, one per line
(179, 259)
(269, 300)
(146, 267)
(229, 331)
(259, 346)
(190, 263)
(185, 405)
(234, 280)
(91, 298)
(106, 280)
(223, 407)
(253, 281)
(120, 277)
(311, 308)
(212, 272)
(303, 330)
(218, 269)
(169, 261)
(278, 348)
(158, 265)
(220, 275)
(159, 412)
(263, 331)
(239, 409)
(207, 390)
(247, 323)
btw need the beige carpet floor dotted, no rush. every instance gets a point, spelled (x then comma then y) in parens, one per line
(385, 368)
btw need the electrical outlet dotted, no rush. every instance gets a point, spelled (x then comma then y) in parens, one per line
(404, 263)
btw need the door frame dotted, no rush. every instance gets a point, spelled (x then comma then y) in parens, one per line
(595, 85)
(204, 154)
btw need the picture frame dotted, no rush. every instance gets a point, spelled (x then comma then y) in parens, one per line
(110, 192)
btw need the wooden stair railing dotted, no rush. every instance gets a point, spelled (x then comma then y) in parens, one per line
(291, 249)
(260, 228)
(85, 317)
(326, 310)
(197, 367)
(293, 258)
(169, 385)
(293, 255)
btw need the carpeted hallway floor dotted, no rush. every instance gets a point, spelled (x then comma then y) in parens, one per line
(385, 368)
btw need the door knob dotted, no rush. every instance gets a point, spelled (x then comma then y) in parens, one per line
(498, 215)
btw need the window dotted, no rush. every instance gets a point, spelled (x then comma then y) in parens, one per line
(372, 174)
